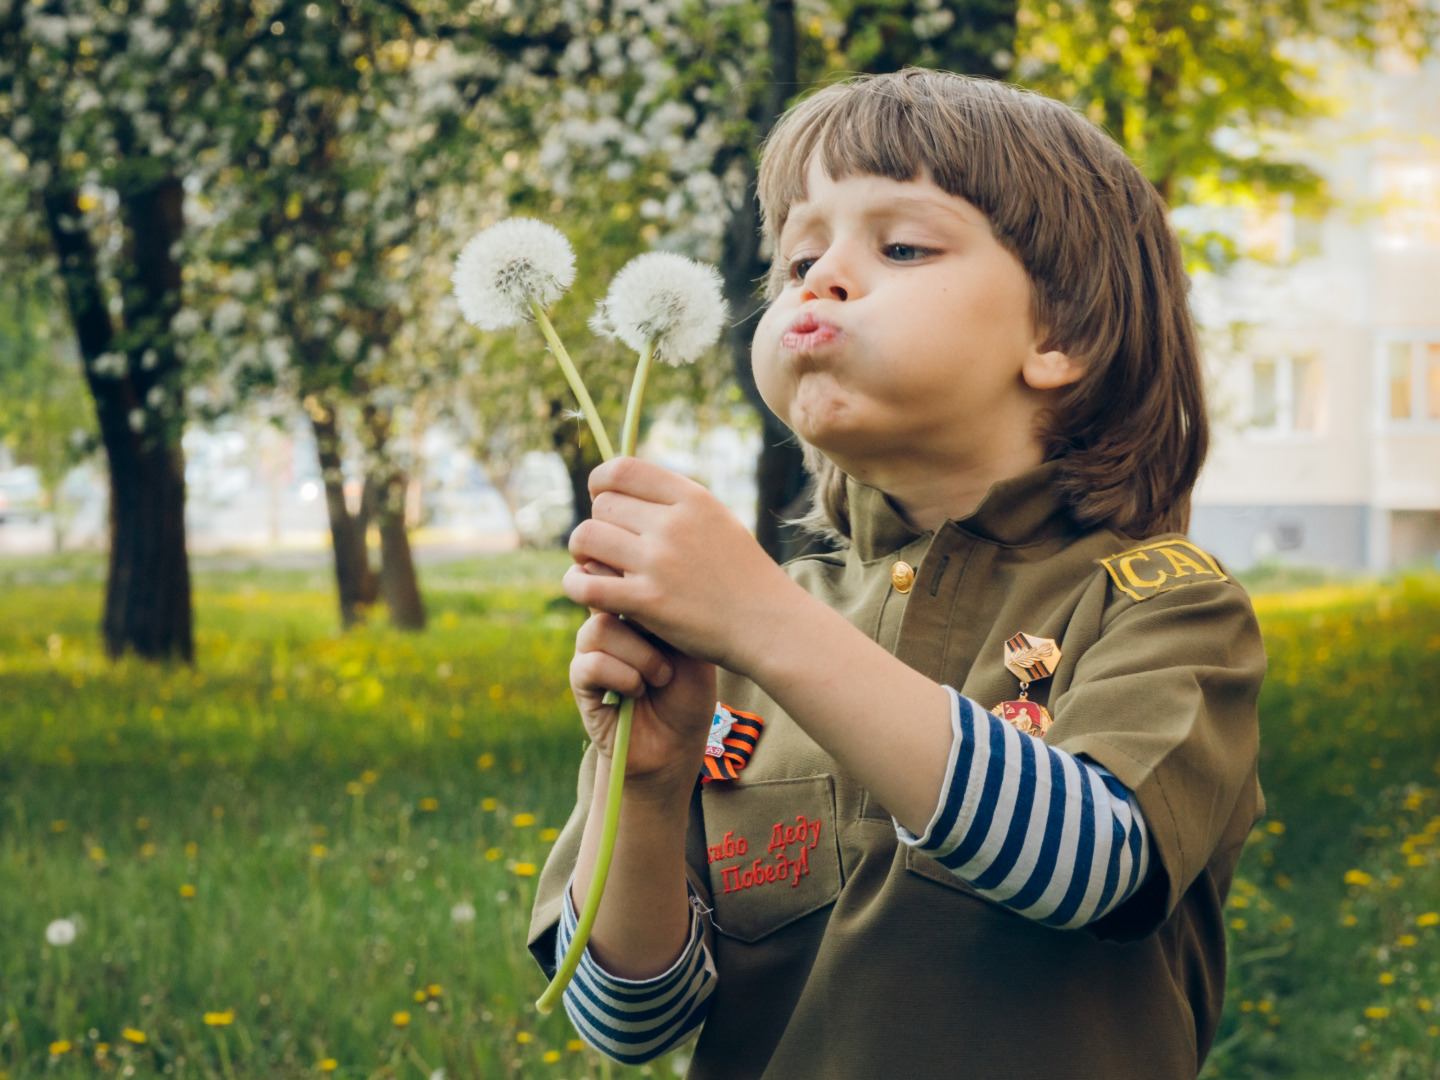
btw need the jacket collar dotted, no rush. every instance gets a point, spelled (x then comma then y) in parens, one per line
(1022, 510)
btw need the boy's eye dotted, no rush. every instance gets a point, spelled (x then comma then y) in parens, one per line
(905, 252)
(800, 267)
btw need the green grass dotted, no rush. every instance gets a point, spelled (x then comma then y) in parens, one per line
(288, 781)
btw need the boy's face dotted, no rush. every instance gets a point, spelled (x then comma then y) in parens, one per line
(903, 337)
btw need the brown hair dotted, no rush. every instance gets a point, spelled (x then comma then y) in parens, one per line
(1092, 233)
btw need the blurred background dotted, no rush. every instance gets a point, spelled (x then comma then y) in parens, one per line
(284, 728)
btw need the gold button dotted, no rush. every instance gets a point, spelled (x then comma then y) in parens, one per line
(902, 576)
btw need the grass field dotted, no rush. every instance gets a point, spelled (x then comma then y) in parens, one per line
(314, 853)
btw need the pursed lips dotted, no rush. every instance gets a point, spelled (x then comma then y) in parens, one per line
(807, 333)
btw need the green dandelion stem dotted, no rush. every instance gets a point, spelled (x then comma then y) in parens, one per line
(630, 435)
(556, 990)
(592, 416)
(225, 1066)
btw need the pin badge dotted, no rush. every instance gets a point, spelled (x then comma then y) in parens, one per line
(1029, 659)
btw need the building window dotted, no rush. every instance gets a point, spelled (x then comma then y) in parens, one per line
(1412, 382)
(1287, 395)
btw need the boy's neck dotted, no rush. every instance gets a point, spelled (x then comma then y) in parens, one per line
(929, 497)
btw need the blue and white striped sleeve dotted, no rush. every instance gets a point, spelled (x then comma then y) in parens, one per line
(634, 1021)
(1055, 838)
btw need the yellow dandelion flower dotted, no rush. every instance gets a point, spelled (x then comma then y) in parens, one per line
(419, 996)
(97, 853)
(133, 1035)
(497, 692)
(1247, 1006)
(1276, 827)
(142, 823)
(523, 821)
(1357, 877)
(1432, 1031)
(551, 1056)
(354, 787)
(525, 869)
(101, 1049)
(1237, 924)
(493, 854)
(192, 849)
(485, 761)
(60, 1046)
(575, 1046)
(147, 850)
(187, 891)
(1377, 1012)
(434, 990)
(1415, 860)
(319, 851)
(1265, 1006)
(1387, 978)
(401, 1019)
(369, 776)
(1239, 901)
(523, 1036)
(549, 836)
(1406, 940)
(1424, 1004)
(329, 1065)
(1430, 918)
(1350, 920)
(1394, 881)
(1366, 1046)
(489, 805)
(220, 1019)
(59, 827)
(429, 805)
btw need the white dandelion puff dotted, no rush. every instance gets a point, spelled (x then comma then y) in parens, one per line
(463, 912)
(504, 269)
(664, 299)
(61, 932)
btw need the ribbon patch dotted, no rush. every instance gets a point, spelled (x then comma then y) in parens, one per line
(733, 735)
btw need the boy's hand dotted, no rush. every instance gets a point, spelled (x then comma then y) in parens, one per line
(689, 570)
(674, 702)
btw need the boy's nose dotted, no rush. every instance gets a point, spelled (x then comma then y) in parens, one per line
(827, 279)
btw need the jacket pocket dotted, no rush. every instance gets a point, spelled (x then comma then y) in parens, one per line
(772, 853)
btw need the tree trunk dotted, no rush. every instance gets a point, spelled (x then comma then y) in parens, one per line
(398, 585)
(353, 578)
(147, 595)
(580, 454)
(781, 480)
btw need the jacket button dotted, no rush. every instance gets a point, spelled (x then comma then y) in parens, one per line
(902, 576)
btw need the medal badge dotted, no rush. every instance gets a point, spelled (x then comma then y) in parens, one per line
(1029, 659)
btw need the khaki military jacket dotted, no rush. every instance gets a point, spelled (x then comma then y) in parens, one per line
(843, 953)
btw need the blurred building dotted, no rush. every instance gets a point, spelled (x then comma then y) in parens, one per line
(1325, 357)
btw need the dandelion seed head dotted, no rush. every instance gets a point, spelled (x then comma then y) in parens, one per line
(61, 932)
(668, 299)
(463, 912)
(503, 268)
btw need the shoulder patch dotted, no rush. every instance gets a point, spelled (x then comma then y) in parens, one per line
(1152, 569)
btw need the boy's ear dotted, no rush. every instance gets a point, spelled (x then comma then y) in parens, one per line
(1050, 370)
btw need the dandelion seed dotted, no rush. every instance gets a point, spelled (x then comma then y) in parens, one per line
(667, 299)
(463, 912)
(500, 271)
(60, 1046)
(220, 1019)
(401, 1019)
(61, 932)
(134, 1035)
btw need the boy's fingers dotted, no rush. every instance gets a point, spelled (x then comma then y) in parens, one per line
(607, 634)
(596, 672)
(626, 511)
(599, 541)
(640, 479)
(594, 591)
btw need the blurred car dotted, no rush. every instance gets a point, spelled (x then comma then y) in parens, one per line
(21, 496)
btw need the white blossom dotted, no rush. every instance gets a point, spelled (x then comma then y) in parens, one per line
(463, 912)
(61, 932)
(668, 299)
(508, 265)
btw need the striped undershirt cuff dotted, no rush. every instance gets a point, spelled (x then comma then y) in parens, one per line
(1055, 838)
(634, 1021)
